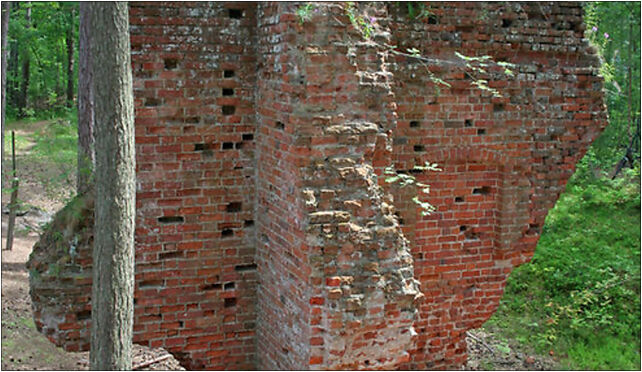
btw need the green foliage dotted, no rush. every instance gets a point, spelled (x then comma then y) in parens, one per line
(358, 21)
(614, 29)
(580, 295)
(22, 142)
(58, 141)
(57, 147)
(404, 180)
(42, 41)
(417, 10)
(304, 12)
(52, 149)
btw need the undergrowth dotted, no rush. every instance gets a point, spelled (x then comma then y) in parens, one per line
(579, 297)
(58, 141)
(53, 149)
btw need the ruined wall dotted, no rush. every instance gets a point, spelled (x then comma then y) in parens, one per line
(283, 310)
(194, 69)
(335, 269)
(60, 275)
(267, 236)
(505, 160)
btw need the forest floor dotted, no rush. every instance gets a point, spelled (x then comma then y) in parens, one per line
(24, 348)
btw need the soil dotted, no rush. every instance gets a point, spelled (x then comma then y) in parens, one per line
(488, 352)
(24, 348)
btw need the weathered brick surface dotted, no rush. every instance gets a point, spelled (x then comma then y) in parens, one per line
(505, 160)
(267, 236)
(194, 68)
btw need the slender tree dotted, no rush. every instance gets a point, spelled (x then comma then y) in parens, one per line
(85, 103)
(26, 62)
(113, 258)
(13, 69)
(69, 42)
(6, 8)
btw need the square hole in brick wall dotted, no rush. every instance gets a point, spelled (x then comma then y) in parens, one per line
(418, 148)
(481, 131)
(228, 91)
(170, 219)
(170, 63)
(414, 124)
(211, 287)
(234, 207)
(235, 13)
(229, 302)
(228, 110)
(228, 73)
(248, 137)
(201, 146)
(248, 267)
(226, 233)
(468, 123)
(83, 315)
(152, 102)
(484, 190)
(227, 145)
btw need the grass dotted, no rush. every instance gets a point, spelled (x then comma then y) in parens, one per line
(52, 152)
(579, 298)
(58, 142)
(22, 143)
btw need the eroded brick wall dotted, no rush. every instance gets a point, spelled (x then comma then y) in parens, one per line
(283, 311)
(194, 69)
(505, 160)
(266, 233)
(337, 289)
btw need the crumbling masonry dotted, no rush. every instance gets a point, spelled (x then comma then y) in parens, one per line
(266, 234)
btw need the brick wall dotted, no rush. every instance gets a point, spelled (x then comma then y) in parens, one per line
(283, 314)
(505, 160)
(336, 275)
(267, 236)
(194, 69)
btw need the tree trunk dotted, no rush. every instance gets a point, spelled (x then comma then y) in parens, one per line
(13, 71)
(69, 41)
(85, 103)
(6, 8)
(113, 258)
(24, 88)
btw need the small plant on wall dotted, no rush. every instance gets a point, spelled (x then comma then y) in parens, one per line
(405, 180)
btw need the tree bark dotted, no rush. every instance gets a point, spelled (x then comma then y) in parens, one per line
(113, 257)
(69, 41)
(13, 68)
(24, 88)
(85, 103)
(6, 9)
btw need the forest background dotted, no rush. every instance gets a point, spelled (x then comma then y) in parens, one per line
(578, 300)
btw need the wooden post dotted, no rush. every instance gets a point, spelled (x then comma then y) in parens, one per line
(13, 206)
